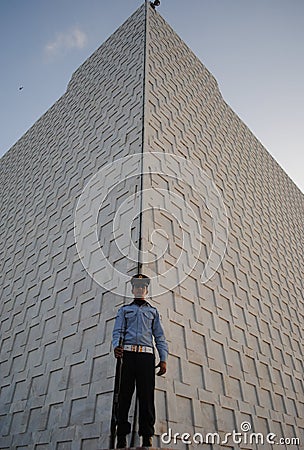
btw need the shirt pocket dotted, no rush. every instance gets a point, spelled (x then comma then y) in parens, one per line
(148, 316)
(130, 316)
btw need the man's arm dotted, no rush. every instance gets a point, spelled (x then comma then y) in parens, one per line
(161, 344)
(118, 333)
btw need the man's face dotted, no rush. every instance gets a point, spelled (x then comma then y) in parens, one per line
(140, 290)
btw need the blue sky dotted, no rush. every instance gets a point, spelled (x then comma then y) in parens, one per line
(253, 48)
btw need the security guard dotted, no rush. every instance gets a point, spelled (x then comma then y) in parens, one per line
(137, 324)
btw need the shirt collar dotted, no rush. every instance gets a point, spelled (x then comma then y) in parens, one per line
(139, 302)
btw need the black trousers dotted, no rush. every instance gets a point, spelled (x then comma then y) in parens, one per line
(138, 369)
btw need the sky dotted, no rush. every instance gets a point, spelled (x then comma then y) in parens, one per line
(254, 48)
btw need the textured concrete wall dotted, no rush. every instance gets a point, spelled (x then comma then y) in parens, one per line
(56, 321)
(236, 341)
(217, 196)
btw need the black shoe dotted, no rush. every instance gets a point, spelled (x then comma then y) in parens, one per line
(147, 441)
(121, 441)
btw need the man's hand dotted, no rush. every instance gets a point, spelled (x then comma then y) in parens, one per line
(118, 352)
(163, 368)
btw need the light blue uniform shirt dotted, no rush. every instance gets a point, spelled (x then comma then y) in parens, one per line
(137, 325)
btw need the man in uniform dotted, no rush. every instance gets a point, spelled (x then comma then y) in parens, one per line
(135, 326)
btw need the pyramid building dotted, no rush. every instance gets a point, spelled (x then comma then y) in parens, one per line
(142, 166)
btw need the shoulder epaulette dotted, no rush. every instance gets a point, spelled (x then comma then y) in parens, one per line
(149, 304)
(124, 306)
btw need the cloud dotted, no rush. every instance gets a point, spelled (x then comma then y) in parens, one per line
(71, 39)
